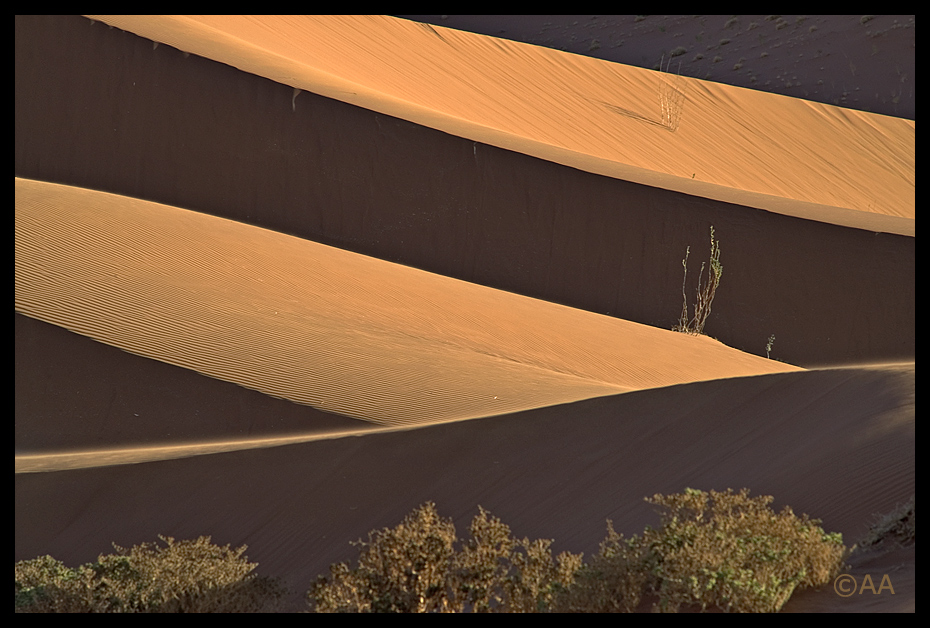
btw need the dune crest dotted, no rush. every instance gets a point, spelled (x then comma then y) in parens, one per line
(325, 327)
(684, 134)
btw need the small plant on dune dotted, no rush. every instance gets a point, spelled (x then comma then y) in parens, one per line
(183, 577)
(714, 550)
(415, 567)
(894, 528)
(671, 94)
(705, 292)
(768, 346)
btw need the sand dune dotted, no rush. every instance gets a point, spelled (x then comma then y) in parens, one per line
(231, 144)
(837, 444)
(184, 374)
(852, 61)
(678, 133)
(325, 327)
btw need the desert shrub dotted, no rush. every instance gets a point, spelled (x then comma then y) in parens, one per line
(613, 582)
(185, 576)
(714, 550)
(46, 585)
(895, 528)
(415, 567)
(705, 292)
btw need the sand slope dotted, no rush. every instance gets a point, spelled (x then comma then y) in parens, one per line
(180, 373)
(864, 62)
(836, 444)
(325, 327)
(231, 144)
(782, 154)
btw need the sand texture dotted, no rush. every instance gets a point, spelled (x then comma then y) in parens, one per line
(693, 136)
(281, 280)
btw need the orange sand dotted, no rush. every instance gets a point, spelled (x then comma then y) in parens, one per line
(325, 327)
(577, 416)
(777, 153)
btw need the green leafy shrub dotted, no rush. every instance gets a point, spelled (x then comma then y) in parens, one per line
(183, 577)
(415, 567)
(714, 550)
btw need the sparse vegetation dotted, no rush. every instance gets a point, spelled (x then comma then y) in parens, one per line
(671, 98)
(894, 528)
(705, 292)
(713, 551)
(416, 568)
(183, 577)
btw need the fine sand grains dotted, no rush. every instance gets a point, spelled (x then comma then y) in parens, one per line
(325, 327)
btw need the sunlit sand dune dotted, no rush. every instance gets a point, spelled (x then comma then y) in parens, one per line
(325, 327)
(782, 154)
(235, 381)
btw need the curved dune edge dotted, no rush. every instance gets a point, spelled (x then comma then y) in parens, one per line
(728, 143)
(70, 460)
(837, 444)
(325, 327)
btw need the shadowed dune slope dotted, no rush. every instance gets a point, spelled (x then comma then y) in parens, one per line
(679, 133)
(73, 393)
(325, 327)
(101, 108)
(837, 444)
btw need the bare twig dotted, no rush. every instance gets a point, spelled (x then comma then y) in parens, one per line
(705, 292)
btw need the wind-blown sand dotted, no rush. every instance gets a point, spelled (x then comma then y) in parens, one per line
(181, 373)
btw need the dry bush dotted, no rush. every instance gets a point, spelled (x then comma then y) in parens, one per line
(613, 582)
(894, 528)
(714, 550)
(183, 577)
(718, 550)
(671, 94)
(415, 567)
(705, 293)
